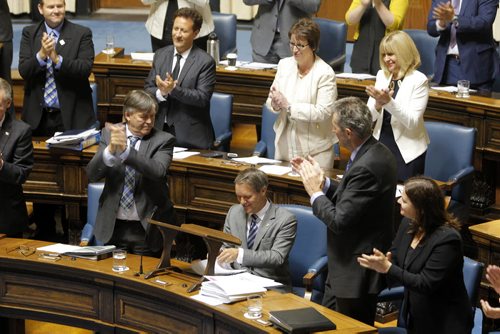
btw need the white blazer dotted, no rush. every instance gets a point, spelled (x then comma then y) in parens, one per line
(407, 111)
(158, 11)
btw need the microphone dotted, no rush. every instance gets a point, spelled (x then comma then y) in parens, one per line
(140, 267)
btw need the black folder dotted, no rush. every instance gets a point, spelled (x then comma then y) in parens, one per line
(302, 320)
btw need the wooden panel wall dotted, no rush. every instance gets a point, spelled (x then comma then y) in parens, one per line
(416, 17)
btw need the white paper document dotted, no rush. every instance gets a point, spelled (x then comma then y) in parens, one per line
(207, 299)
(179, 149)
(71, 136)
(449, 89)
(259, 66)
(184, 154)
(198, 267)
(276, 170)
(144, 56)
(356, 76)
(255, 160)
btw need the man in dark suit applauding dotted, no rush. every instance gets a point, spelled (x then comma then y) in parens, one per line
(16, 161)
(134, 158)
(183, 80)
(55, 61)
(267, 232)
(358, 210)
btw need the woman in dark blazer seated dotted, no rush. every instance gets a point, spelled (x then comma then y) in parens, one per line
(427, 259)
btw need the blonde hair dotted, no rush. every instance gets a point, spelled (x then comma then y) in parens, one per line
(402, 46)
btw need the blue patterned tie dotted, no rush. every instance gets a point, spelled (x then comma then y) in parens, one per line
(128, 189)
(50, 93)
(253, 231)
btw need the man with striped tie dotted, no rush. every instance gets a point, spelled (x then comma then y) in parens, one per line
(133, 158)
(266, 231)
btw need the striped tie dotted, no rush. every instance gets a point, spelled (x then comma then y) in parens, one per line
(348, 166)
(50, 93)
(128, 189)
(253, 231)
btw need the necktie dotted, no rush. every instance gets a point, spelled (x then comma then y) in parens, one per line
(453, 31)
(348, 166)
(50, 93)
(128, 189)
(253, 231)
(169, 19)
(177, 68)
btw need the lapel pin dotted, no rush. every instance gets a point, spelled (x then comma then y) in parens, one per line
(62, 42)
(7, 133)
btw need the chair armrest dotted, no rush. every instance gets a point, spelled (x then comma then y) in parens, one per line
(389, 294)
(226, 136)
(339, 61)
(456, 178)
(314, 270)
(260, 149)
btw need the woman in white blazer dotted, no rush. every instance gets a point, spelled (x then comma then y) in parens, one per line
(303, 93)
(398, 102)
(155, 23)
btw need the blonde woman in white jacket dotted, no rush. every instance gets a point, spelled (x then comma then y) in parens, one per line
(159, 29)
(398, 102)
(303, 93)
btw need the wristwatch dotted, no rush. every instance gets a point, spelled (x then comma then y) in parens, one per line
(454, 21)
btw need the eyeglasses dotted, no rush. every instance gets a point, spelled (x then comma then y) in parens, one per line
(298, 46)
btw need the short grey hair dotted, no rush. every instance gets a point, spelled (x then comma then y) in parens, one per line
(255, 178)
(6, 88)
(139, 100)
(352, 113)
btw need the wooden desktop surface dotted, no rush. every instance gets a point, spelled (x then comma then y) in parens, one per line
(88, 294)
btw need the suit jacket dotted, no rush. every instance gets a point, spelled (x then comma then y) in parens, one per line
(359, 214)
(436, 300)
(158, 13)
(270, 12)
(17, 150)
(151, 192)
(478, 56)
(272, 244)
(73, 89)
(311, 99)
(407, 111)
(188, 105)
(5, 22)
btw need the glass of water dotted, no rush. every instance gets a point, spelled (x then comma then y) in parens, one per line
(463, 88)
(120, 260)
(110, 44)
(254, 307)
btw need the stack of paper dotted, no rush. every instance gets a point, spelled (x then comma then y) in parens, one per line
(88, 252)
(74, 139)
(230, 289)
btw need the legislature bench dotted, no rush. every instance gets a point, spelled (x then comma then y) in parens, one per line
(88, 294)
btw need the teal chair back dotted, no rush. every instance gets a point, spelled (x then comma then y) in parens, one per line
(332, 42)
(426, 46)
(225, 28)
(221, 109)
(265, 146)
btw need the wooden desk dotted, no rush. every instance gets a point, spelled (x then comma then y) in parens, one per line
(115, 76)
(88, 294)
(202, 189)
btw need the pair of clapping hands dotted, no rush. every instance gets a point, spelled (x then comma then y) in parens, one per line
(48, 48)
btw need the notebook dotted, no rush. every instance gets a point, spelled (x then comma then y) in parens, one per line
(302, 320)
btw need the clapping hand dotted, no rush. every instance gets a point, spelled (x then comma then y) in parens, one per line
(377, 261)
(118, 141)
(278, 100)
(444, 13)
(48, 47)
(167, 85)
(313, 177)
(493, 276)
(381, 96)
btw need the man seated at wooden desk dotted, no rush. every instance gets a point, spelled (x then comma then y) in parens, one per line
(267, 231)
(134, 159)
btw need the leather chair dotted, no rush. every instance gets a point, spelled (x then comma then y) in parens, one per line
(450, 158)
(221, 108)
(426, 46)
(472, 270)
(332, 43)
(225, 28)
(308, 259)
(94, 192)
(265, 147)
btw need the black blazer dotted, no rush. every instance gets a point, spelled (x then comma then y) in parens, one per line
(73, 89)
(188, 105)
(17, 151)
(436, 300)
(358, 213)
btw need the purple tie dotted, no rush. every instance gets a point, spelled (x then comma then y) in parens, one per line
(453, 32)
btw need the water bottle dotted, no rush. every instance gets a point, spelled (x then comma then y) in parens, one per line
(213, 47)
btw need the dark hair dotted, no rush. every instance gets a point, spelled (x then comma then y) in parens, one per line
(190, 13)
(352, 113)
(255, 178)
(42, 2)
(6, 88)
(139, 100)
(428, 200)
(307, 29)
